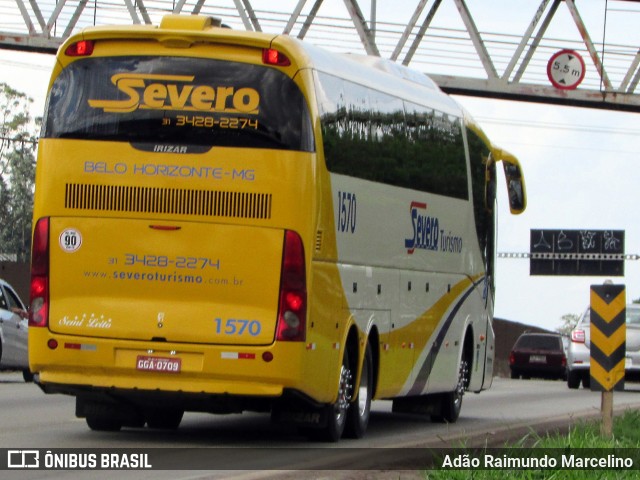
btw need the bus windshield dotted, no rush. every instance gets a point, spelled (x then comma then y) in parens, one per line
(178, 100)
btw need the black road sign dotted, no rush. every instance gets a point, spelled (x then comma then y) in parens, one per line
(577, 252)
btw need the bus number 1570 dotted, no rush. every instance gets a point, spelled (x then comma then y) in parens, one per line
(347, 212)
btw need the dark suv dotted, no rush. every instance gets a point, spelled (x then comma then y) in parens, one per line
(538, 355)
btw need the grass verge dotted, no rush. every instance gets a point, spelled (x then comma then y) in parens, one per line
(586, 435)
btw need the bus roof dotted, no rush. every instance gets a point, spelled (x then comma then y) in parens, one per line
(182, 31)
(389, 76)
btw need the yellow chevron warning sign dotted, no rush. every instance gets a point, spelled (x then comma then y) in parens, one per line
(608, 337)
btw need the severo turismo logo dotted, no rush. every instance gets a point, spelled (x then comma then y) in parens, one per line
(427, 234)
(425, 229)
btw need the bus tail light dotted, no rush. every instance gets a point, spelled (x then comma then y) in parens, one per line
(292, 311)
(39, 305)
(271, 56)
(83, 48)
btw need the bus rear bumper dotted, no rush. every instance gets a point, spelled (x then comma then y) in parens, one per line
(79, 365)
(141, 400)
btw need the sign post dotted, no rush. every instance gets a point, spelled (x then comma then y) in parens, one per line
(592, 252)
(608, 346)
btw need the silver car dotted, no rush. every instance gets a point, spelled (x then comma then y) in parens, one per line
(579, 353)
(14, 332)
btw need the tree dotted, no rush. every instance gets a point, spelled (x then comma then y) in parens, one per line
(569, 321)
(18, 141)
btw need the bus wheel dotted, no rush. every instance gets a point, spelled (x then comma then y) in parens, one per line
(452, 401)
(360, 410)
(164, 419)
(337, 412)
(103, 418)
(101, 423)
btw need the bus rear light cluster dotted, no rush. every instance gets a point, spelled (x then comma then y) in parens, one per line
(271, 56)
(83, 48)
(39, 304)
(292, 311)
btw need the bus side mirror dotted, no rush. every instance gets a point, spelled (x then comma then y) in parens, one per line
(515, 187)
(515, 182)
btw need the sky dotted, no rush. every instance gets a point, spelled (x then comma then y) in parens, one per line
(581, 168)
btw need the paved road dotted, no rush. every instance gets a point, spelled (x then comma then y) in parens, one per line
(31, 419)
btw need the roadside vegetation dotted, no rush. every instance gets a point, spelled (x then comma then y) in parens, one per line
(18, 140)
(626, 435)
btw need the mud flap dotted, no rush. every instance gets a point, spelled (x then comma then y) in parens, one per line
(299, 411)
(117, 413)
(419, 405)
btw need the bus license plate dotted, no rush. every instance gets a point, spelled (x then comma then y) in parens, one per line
(158, 364)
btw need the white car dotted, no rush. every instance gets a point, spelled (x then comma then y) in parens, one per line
(579, 352)
(14, 332)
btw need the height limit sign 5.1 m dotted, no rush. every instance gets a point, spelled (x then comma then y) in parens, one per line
(566, 69)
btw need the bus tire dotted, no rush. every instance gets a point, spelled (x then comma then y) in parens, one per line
(360, 409)
(164, 418)
(100, 423)
(103, 417)
(452, 401)
(336, 413)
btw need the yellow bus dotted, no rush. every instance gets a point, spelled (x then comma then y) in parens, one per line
(228, 221)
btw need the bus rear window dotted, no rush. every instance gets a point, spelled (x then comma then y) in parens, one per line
(178, 100)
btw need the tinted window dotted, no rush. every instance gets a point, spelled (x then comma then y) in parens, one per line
(377, 136)
(539, 342)
(483, 185)
(178, 101)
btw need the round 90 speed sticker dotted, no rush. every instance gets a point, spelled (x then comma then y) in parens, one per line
(70, 240)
